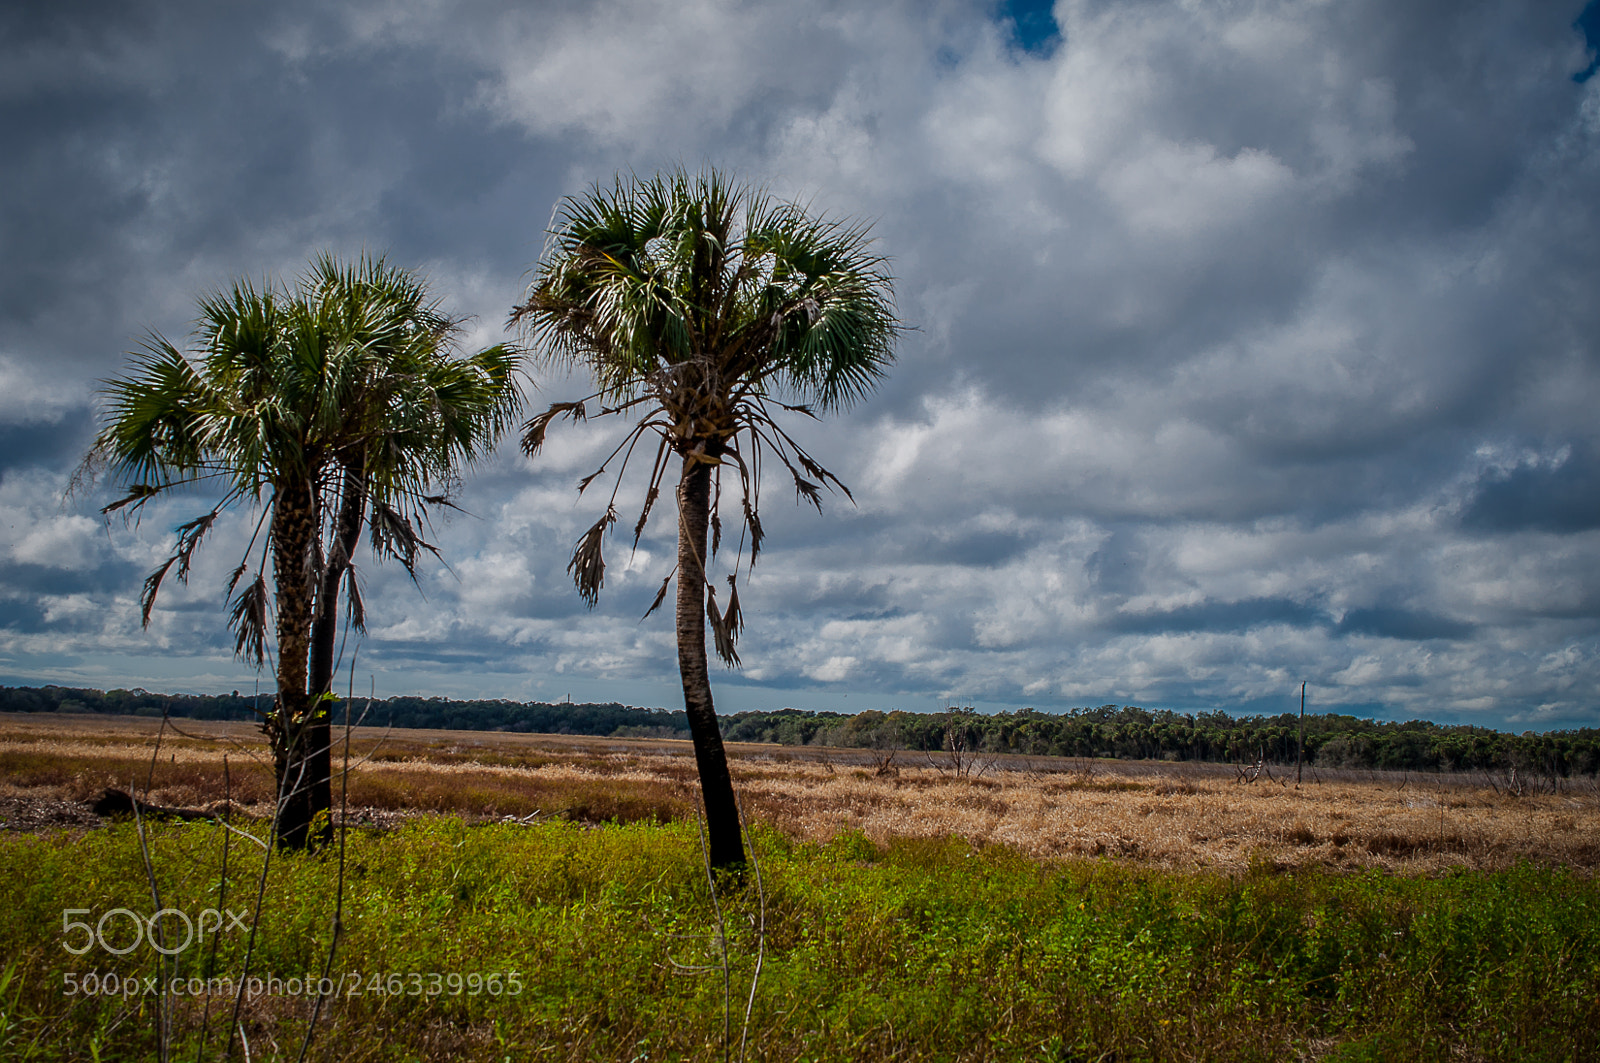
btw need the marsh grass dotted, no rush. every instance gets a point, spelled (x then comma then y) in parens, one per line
(1160, 815)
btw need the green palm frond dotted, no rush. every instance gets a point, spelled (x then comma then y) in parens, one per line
(696, 270)
(701, 301)
(352, 369)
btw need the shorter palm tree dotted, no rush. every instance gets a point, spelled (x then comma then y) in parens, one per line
(704, 309)
(333, 406)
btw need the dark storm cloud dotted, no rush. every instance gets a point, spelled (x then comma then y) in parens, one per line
(965, 546)
(1218, 617)
(1561, 496)
(1402, 624)
(170, 147)
(54, 444)
(48, 580)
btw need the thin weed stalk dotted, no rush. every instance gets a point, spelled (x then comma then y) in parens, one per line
(163, 1016)
(222, 898)
(761, 935)
(338, 893)
(163, 1004)
(722, 941)
(285, 788)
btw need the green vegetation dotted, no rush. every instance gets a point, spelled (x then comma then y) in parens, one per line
(921, 950)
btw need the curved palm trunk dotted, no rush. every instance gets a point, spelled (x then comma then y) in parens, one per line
(716, 784)
(294, 530)
(324, 639)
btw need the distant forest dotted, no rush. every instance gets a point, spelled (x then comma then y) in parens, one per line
(1128, 732)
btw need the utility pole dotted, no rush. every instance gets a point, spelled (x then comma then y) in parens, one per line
(1300, 757)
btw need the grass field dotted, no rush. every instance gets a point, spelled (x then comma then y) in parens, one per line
(904, 909)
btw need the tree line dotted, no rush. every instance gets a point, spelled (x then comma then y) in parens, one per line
(1332, 740)
(606, 719)
(1128, 732)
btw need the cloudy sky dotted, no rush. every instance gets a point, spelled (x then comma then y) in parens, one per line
(1252, 342)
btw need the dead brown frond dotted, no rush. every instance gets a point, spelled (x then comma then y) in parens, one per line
(588, 567)
(734, 616)
(752, 523)
(533, 432)
(394, 534)
(248, 621)
(658, 470)
(152, 584)
(358, 609)
(137, 496)
(661, 595)
(723, 632)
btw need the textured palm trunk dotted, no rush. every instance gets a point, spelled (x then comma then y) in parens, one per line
(324, 640)
(294, 529)
(716, 784)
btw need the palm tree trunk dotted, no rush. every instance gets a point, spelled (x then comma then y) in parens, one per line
(324, 639)
(716, 784)
(294, 530)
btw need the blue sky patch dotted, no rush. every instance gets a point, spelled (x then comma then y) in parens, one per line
(1033, 25)
(1588, 24)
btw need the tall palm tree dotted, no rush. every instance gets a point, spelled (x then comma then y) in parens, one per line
(337, 405)
(703, 308)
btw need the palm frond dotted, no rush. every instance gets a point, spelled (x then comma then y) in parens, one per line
(533, 432)
(137, 496)
(147, 594)
(722, 632)
(248, 621)
(358, 608)
(395, 535)
(661, 595)
(588, 566)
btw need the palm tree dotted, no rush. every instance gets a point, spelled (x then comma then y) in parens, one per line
(414, 419)
(338, 405)
(704, 308)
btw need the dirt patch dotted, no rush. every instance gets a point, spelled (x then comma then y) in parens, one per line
(22, 814)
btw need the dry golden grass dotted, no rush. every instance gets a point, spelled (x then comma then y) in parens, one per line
(1166, 815)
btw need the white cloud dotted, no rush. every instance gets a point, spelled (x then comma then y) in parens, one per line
(31, 394)
(68, 542)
